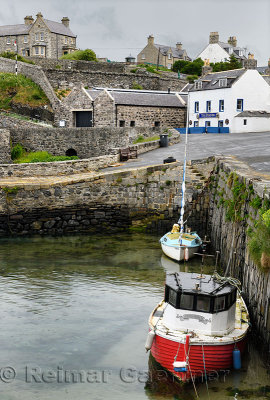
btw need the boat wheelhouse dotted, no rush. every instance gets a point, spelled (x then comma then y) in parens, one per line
(199, 324)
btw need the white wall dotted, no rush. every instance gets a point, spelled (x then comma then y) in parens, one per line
(254, 124)
(250, 87)
(214, 52)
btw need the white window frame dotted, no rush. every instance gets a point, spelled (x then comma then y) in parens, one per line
(24, 52)
(25, 39)
(223, 82)
(42, 36)
(8, 40)
(36, 50)
(42, 50)
(198, 85)
(169, 56)
(66, 40)
(143, 56)
(36, 37)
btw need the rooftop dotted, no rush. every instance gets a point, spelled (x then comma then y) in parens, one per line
(211, 80)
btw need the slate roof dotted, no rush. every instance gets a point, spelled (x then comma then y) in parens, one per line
(267, 78)
(11, 30)
(211, 81)
(23, 29)
(262, 70)
(165, 49)
(263, 114)
(236, 49)
(141, 98)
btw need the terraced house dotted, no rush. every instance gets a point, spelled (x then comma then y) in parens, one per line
(161, 55)
(38, 38)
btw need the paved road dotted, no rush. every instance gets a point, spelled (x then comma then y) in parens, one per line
(253, 148)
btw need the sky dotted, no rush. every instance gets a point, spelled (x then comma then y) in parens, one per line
(118, 28)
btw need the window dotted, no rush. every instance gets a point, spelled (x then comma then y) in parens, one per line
(8, 40)
(208, 106)
(198, 85)
(157, 124)
(223, 82)
(207, 124)
(23, 52)
(203, 303)
(169, 66)
(42, 51)
(240, 53)
(132, 123)
(220, 124)
(245, 122)
(121, 124)
(186, 301)
(143, 56)
(169, 56)
(25, 39)
(66, 40)
(36, 37)
(196, 107)
(220, 303)
(239, 105)
(70, 41)
(36, 50)
(196, 124)
(42, 36)
(221, 105)
(172, 297)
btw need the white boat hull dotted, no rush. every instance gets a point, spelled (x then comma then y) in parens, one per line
(177, 253)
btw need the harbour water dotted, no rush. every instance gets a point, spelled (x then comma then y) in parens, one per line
(74, 314)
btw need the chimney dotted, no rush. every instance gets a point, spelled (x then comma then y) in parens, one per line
(206, 69)
(251, 62)
(179, 46)
(232, 41)
(214, 37)
(250, 56)
(65, 21)
(151, 39)
(39, 15)
(28, 20)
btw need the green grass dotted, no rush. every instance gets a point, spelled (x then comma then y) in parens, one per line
(12, 56)
(142, 139)
(19, 89)
(37, 156)
(85, 55)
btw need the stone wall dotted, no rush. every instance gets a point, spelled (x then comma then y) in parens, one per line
(8, 120)
(5, 146)
(33, 72)
(145, 198)
(150, 116)
(231, 237)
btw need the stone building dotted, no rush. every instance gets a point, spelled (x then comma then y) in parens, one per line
(217, 51)
(38, 38)
(161, 55)
(122, 108)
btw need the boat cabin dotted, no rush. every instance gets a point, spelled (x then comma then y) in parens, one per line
(199, 303)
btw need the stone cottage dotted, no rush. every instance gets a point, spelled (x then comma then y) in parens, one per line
(161, 55)
(38, 38)
(122, 108)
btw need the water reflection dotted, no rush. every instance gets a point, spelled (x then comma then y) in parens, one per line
(82, 303)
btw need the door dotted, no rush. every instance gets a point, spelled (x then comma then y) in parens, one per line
(84, 119)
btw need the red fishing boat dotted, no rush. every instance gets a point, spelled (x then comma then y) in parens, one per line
(200, 327)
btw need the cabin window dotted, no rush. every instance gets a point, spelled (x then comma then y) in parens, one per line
(172, 297)
(231, 298)
(203, 303)
(186, 301)
(220, 303)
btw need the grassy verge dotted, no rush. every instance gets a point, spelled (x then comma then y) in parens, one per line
(19, 89)
(142, 139)
(20, 156)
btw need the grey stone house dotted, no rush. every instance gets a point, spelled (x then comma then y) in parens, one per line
(122, 108)
(38, 38)
(159, 54)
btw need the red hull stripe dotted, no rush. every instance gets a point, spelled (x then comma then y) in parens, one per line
(216, 357)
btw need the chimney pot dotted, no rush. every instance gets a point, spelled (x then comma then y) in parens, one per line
(28, 20)
(65, 21)
(150, 39)
(214, 37)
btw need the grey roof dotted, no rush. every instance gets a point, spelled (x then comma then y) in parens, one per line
(58, 27)
(141, 98)
(211, 81)
(262, 70)
(23, 29)
(267, 78)
(236, 49)
(10, 30)
(264, 114)
(165, 49)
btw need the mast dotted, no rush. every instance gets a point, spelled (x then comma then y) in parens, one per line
(181, 219)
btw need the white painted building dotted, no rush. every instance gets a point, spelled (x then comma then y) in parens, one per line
(238, 100)
(217, 51)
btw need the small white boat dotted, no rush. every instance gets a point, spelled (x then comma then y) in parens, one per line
(180, 246)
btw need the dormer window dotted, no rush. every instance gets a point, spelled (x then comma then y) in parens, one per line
(223, 82)
(169, 56)
(230, 50)
(198, 85)
(240, 53)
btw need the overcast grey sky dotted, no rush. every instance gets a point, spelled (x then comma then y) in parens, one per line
(116, 28)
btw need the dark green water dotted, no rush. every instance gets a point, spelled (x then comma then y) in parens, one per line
(81, 304)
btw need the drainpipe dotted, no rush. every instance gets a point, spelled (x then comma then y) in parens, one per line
(116, 115)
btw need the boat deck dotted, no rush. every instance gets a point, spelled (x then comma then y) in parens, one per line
(240, 330)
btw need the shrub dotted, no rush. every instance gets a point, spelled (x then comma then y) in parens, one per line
(259, 243)
(192, 78)
(41, 156)
(12, 56)
(137, 86)
(17, 151)
(86, 55)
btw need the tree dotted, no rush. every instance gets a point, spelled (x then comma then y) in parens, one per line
(225, 66)
(86, 55)
(189, 67)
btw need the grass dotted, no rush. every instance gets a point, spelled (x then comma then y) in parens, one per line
(142, 139)
(12, 56)
(19, 155)
(19, 89)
